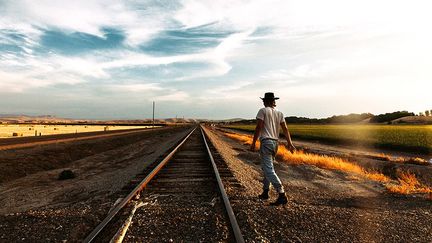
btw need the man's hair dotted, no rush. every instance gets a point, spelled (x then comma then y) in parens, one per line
(268, 102)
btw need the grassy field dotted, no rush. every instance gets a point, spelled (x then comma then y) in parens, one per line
(416, 138)
(24, 130)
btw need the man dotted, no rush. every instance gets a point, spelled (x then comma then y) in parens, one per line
(269, 122)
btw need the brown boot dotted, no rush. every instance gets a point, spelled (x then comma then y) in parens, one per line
(281, 200)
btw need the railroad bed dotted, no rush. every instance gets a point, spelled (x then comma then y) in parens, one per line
(180, 198)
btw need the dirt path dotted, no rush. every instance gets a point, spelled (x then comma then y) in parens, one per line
(324, 206)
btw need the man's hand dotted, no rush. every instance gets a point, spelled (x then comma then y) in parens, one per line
(252, 147)
(289, 144)
(259, 126)
(290, 147)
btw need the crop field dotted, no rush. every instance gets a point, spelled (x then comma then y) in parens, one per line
(416, 138)
(24, 130)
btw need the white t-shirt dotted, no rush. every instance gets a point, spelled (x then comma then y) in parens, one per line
(272, 119)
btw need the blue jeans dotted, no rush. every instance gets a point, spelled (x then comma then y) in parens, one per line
(268, 151)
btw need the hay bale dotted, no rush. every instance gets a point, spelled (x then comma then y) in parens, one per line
(66, 174)
(16, 134)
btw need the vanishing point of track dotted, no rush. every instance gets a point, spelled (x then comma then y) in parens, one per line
(189, 179)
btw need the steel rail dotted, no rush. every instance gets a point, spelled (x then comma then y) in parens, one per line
(234, 225)
(135, 191)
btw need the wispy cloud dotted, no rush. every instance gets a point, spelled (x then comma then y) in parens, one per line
(139, 20)
(19, 82)
(153, 91)
(135, 87)
(173, 96)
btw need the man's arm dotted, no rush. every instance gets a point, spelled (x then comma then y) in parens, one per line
(259, 126)
(289, 144)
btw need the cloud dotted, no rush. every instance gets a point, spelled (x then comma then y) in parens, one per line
(228, 91)
(173, 96)
(83, 16)
(135, 87)
(20, 82)
(216, 57)
(70, 20)
(100, 66)
(235, 15)
(152, 91)
(21, 73)
(184, 41)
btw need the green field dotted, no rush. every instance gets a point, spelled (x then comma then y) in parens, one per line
(416, 138)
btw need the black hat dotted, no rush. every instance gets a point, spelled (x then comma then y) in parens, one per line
(269, 96)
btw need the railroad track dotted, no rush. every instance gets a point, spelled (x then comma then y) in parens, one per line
(180, 197)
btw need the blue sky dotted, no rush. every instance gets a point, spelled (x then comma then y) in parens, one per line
(213, 59)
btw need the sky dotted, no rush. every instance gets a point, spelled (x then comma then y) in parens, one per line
(105, 59)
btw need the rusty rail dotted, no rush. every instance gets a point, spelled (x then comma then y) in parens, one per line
(134, 192)
(234, 225)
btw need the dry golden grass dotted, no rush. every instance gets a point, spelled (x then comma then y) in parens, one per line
(416, 161)
(407, 182)
(321, 161)
(382, 156)
(328, 162)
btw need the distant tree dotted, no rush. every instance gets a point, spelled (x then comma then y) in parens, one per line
(390, 116)
(427, 113)
(304, 120)
(350, 118)
(421, 114)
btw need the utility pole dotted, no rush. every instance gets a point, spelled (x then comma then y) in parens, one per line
(153, 112)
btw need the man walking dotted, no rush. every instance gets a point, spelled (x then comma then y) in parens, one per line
(269, 122)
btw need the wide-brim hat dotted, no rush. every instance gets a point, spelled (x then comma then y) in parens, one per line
(269, 96)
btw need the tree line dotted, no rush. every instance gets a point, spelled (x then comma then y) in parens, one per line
(426, 113)
(350, 118)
